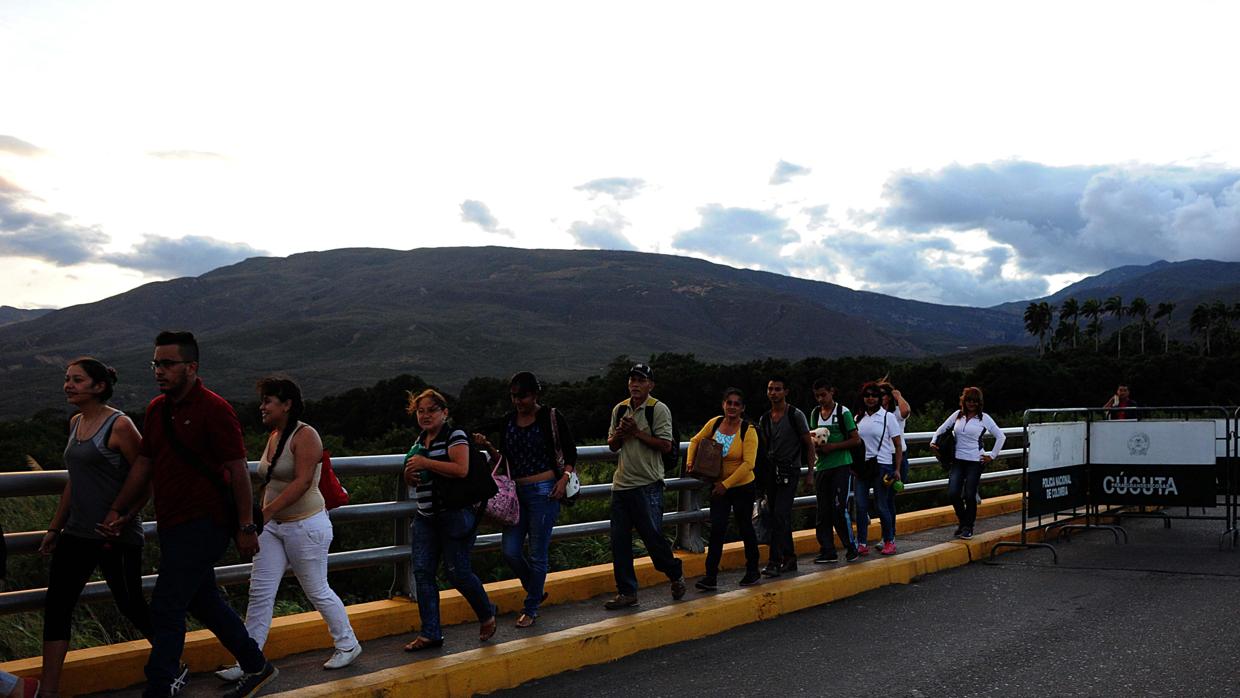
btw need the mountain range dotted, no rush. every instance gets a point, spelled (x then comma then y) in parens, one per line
(345, 318)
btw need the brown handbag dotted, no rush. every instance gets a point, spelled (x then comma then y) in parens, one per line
(707, 461)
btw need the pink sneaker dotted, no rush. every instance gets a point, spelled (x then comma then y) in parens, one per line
(889, 548)
(863, 549)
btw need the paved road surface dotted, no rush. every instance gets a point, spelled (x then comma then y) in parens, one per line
(1156, 617)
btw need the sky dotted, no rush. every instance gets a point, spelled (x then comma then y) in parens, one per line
(956, 152)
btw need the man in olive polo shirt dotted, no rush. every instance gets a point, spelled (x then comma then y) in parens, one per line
(640, 433)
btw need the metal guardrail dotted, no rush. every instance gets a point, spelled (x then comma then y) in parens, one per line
(688, 518)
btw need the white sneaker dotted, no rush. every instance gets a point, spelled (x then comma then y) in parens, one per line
(231, 674)
(343, 658)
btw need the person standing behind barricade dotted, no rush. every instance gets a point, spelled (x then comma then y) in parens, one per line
(832, 479)
(103, 442)
(880, 431)
(789, 446)
(442, 527)
(640, 431)
(195, 453)
(296, 529)
(734, 491)
(968, 423)
(532, 446)
(1116, 403)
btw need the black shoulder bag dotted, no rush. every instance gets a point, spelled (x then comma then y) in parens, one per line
(230, 501)
(946, 444)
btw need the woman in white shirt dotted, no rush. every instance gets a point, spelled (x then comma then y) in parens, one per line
(884, 448)
(969, 424)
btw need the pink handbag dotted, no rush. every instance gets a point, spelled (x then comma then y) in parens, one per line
(504, 508)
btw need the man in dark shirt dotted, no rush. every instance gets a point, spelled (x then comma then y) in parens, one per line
(194, 453)
(788, 447)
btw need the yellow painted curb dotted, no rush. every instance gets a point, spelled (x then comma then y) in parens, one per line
(514, 663)
(120, 665)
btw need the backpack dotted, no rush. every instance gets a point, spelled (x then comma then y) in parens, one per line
(714, 428)
(672, 460)
(477, 487)
(762, 471)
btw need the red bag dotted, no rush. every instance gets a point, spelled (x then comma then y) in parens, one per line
(334, 494)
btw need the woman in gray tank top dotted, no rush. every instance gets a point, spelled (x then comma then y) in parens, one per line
(102, 444)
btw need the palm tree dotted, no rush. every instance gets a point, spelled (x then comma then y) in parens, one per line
(1092, 309)
(1199, 322)
(1164, 311)
(1220, 316)
(1037, 322)
(1114, 307)
(1071, 310)
(1141, 310)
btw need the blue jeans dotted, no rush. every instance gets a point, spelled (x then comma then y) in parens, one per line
(962, 484)
(186, 583)
(861, 500)
(640, 508)
(538, 514)
(448, 535)
(885, 499)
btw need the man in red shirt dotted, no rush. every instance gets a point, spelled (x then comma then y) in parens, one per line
(1117, 402)
(193, 452)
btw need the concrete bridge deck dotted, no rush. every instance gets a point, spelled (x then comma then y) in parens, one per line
(1154, 617)
(1016, 621)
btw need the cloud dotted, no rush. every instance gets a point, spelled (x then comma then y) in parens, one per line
(817, 216)
(188, 256)
(1075, 219)
(931, 269)
(743, 235)
(53, 238)
(477, 212)
(16, 146)
(604, 233)
(185, 155)
(618, 188)
(785, 171)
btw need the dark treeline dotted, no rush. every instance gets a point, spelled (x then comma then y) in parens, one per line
(373, 420)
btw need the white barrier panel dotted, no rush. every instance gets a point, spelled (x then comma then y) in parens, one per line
(1220, 432)
(1179, 442)
(1056, 445)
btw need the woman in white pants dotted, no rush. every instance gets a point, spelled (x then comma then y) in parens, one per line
(296, 529)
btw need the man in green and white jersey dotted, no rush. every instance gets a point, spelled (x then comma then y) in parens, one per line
(832, 478)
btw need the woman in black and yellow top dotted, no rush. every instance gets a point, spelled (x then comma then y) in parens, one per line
(734, 492)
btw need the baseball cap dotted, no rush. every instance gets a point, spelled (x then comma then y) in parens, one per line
(642, 370)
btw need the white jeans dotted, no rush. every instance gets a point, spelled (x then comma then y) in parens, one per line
(303, 545)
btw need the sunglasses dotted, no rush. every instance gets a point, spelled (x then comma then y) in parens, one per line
(868, 394)
(733, 403)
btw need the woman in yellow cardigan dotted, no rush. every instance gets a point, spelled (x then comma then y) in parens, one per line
(734, 492)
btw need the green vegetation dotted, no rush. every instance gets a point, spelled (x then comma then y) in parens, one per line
(372, 420)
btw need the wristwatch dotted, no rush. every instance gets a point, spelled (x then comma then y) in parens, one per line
(250, 528)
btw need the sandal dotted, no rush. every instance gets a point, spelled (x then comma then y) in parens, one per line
(423, 643)
(486, 629)
(525, 620)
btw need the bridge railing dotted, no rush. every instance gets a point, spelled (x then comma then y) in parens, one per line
(688, 516)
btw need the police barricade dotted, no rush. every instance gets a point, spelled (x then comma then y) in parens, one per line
(1080, 466)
